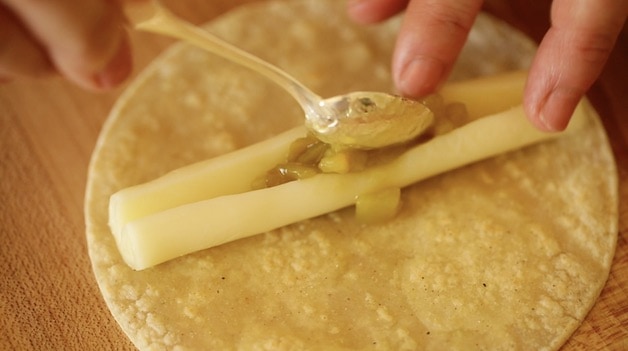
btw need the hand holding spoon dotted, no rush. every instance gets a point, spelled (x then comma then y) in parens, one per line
(365, 120)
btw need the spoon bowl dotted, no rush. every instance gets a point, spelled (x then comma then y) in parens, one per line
(364, 120)
(371, 120)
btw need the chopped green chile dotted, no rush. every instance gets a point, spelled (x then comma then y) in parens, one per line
(435, 103)
(289, 171)
(313, 154)
(299, 146)
(378, 207)
(343, 161)
(457, 113)
(309, 156)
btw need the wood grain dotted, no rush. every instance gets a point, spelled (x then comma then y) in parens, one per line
(49, 299)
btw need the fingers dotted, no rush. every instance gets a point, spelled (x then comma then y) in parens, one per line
(372, 11)
(570, 58)
(84, 40)
(430, 39)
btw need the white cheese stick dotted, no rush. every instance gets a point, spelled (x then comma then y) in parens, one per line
(487, 95)
(165, 235)
(230, 173)
(234, 172)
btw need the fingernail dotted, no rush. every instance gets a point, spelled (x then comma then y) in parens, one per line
(420, 77)
(558, 109)
(118, 68)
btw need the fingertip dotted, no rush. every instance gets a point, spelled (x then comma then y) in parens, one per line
(116, 70)
(420, 76)
(558, 109)
(431, 37)
(533, 101)
(569, 59)
(549, 98)
(553, 112)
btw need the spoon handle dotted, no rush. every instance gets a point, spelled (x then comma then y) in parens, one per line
(153, 17)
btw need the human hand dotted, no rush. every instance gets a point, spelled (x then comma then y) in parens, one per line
(83, 40)
(569, 58)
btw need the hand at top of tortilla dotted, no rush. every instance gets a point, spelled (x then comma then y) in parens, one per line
(433, 33)
(83, 40)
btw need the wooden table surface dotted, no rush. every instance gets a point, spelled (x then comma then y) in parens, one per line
(49, 299)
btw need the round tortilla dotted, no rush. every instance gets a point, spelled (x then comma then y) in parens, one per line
(509, 253)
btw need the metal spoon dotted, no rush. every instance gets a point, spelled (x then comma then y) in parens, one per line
(363, 120)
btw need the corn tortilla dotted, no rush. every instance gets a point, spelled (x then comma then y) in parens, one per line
(506, 254)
